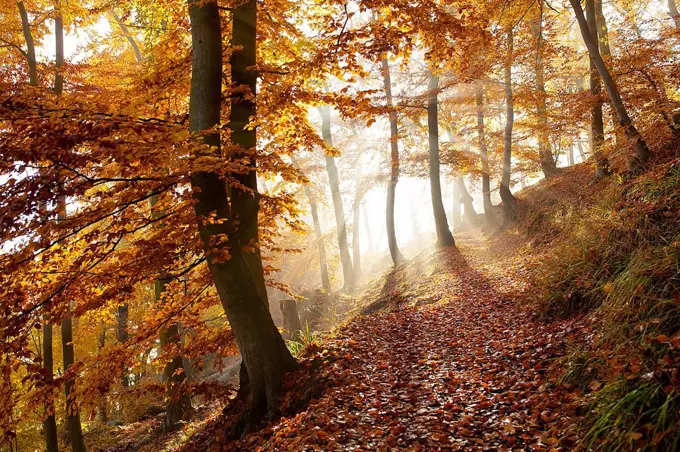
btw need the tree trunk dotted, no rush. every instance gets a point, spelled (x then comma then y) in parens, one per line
(456, 212)
(570, 154)
(367, 226)
(507, 197)
(291, 319)
(673, 12)
(642, 153)
(73, 427)
(323, 263)
(30, 46)
(546, 159)
(579, 146)
(177, 402)
(262, 348)
(444, 236)
(122, 316)
(59, 41)
(128, 36)
(50, 422)
(332, 169)
(394, 167)
(469, 212)
(606, 52)
(596, 116)
(356, 239)
(483, 154)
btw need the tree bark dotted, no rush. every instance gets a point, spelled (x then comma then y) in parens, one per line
(50, 422)
(507, 197)
(75, 432)
(606, 52)
(128, 36)
(262, 348)
(102, 409)
(396, 255)
(546, 159)
(456, 212)
(356, 238)
(333, 180)
(59, 41)
(122, 316)
(673, 12)
(642, 153)
(30, 46)
(323, 262)
(444, 236)
(483, 154)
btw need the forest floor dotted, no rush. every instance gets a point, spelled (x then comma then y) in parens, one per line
(452, 360)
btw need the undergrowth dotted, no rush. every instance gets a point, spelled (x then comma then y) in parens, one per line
(615, 254)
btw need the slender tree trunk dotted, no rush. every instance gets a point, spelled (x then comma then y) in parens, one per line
(30, 46)
(673, 12)
(507, 197)
(570, 155)
(367, 226)
(356, 239)
(128, 36)
(642, 153)
(444, 236)
(469, 211)
(73, 426)
(596, 115)
(394, 167)
(483, 154)
(122, 316)
(50, 422)
(323, 263)
(546, 158)
(174, 375)
(262, 348)
(606, 52)
(333, 180)
(456, 212)
(579, 146)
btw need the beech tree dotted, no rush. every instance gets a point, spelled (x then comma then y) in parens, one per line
(264, 353)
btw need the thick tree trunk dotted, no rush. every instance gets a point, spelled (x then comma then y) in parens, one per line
(469, 212)
(30, 46)
(262, 348)
(483, 154)
(323, 263)
(333, 180)
(394, 167)
(444, 236)
(507, 197)
(546, 159)
(673, 12)
(50, 422)
(642, 153)
(291, 319)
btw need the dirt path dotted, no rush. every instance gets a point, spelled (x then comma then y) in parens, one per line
(457, 365)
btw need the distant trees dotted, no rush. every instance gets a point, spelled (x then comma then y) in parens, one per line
(509, 200)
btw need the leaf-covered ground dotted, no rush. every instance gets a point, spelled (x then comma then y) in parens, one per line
(450, 360)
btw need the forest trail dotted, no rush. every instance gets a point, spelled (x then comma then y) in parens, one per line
(454, 364)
